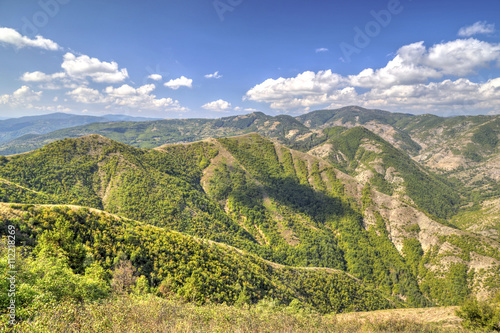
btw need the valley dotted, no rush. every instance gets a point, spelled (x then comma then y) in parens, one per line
(334, 211)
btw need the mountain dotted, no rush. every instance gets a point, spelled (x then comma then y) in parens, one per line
(372, 160)
(282, 205)
(152, 134)
(462, 150)
(16, 127)
(122, 117)
(30, 126)
(380, 122)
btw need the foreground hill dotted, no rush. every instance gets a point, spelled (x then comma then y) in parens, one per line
(197, 270)
(282, 205)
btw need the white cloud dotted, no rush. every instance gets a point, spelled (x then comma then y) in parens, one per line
(480, 27)
(436, 96)
(86, 95)
(76, 71)
(41, 77)
(126, 96)
(414, 63)
(406, 68)
(155, 77)
(321, 49)
(12, 37)
(21, 97)
(99, 71)
(408, 79)
(52, 108)
(180, 82)
(213, 76)
(304, 84)
(218, 106)
(462, 56)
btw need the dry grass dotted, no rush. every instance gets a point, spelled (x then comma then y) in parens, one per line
(129, 314)
(443, 316)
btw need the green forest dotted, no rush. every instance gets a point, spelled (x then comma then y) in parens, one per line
(233, 221)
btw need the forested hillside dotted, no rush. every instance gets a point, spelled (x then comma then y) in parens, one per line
(372, 160)
(281, 205)
(341, 218)
(84, 246)
(150, 134)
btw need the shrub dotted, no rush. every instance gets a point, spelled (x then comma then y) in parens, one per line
(480, 315)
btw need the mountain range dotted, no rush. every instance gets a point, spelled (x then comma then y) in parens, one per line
(341, 210)
(13, 128)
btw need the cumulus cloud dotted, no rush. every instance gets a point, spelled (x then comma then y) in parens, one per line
(41, 77)
(155, 77)
(21, 97)
(86, 95)
(480, 27)
(213, 76)
(99, 71)
(76, 71)
(414, 63)
(180, 82)
(126, 96)
(304, 84)
(462, 56)
(218, 106)
(445, 95)
(12, 37)
(321, 49)
(408, 79)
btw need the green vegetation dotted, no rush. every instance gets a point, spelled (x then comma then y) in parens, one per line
(80, 256)
(481, 315)
(151, 134)
(428, 191)
(369, 256)
(153, 314)
(239, 220)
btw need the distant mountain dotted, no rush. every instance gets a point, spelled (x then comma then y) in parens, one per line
(119, 117)
(152, 134)
(16, 127)
(13, 128)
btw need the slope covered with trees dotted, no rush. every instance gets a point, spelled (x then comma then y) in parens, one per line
(359, 151)
(271, 202)
(81, 254)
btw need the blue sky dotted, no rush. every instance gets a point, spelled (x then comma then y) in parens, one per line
(206, 58)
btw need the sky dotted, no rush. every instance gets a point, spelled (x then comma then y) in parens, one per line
(215, 58)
